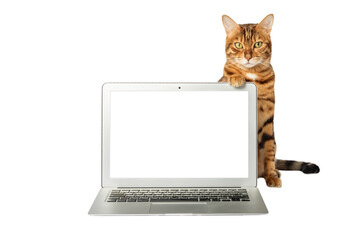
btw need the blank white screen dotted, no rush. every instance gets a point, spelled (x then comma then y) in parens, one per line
(179, 134)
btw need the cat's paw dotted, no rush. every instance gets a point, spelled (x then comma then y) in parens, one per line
(236, 81)
(273, 179)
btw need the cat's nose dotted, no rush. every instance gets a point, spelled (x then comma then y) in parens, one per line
(248, 56)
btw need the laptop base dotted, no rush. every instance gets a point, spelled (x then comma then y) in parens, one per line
(255, 206)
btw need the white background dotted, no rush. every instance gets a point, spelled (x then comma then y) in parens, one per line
(177, 134)
(55, 56)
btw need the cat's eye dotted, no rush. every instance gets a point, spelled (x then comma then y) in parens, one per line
(238, 45)
(258, 44)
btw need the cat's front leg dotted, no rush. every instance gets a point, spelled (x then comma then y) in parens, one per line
(271, 174)
(236, 80)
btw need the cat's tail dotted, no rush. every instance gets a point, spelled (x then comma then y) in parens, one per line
(305, 167)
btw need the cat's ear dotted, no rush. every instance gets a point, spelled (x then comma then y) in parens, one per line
(229, 24)
(267, 23)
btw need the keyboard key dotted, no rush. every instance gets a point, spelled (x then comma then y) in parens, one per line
(116, 195)
(142, 200)
(242, 191)
(192, 199)
(175, 200)
(161, 200)
(203, 199)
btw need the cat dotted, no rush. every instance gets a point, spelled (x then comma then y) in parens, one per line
(248, 51)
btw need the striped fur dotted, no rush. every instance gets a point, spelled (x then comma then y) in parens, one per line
(249, 61)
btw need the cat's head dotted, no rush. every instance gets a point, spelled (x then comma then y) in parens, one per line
(248, 45)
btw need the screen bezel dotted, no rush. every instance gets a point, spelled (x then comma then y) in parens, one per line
(107, 181)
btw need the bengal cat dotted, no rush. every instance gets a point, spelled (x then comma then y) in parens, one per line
(248, 52)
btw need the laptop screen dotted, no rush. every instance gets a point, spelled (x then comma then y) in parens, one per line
(179, 134)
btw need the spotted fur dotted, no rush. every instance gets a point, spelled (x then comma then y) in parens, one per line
(251, 63)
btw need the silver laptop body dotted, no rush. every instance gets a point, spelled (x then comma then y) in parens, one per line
(178, 149)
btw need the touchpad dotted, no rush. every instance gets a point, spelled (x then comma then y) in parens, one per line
(163, 208)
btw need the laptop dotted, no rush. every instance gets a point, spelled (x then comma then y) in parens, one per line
(179, 149)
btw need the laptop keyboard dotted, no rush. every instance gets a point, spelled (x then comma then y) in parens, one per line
(179, 195)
